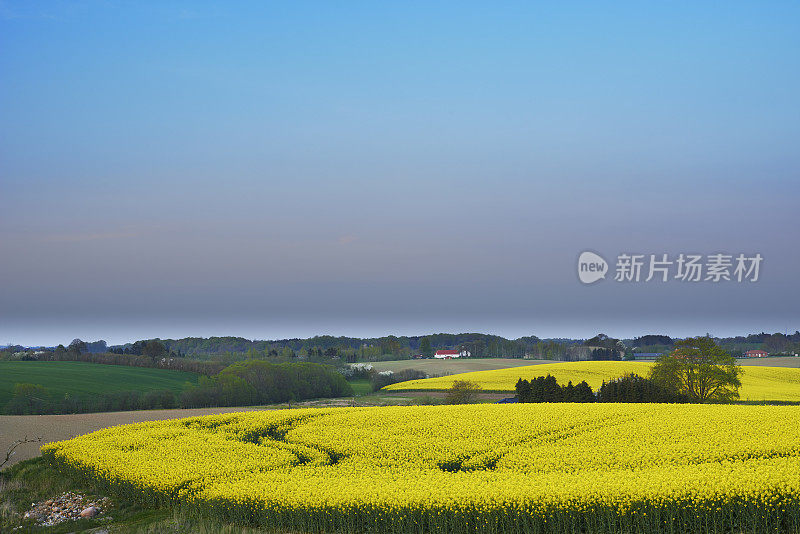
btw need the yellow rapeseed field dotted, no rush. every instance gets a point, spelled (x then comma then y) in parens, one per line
(472, 468)
(758, 383)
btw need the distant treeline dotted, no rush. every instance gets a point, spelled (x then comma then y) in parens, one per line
(226, 350)
(776, 343)
(350, 348)
(242, 384)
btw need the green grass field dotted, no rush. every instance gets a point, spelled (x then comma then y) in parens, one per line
(361, 386)
(88, 378)
(35, 480)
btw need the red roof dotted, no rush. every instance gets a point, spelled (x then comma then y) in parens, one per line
(446, 352)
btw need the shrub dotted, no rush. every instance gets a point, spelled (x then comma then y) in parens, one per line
(462, 392)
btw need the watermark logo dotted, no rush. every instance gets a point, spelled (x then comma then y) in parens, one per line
(591, 267)
(665, 268)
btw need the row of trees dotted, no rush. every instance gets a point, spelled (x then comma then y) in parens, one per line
(628, 388)
(547, 389)
(30, 399)
(634, 388)
(152, 358)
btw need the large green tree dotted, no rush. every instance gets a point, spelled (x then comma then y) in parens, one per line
(154, 350)
(425, 347)
(700, 369)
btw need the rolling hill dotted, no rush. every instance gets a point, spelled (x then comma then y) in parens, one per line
(759, 383)
(79, 378)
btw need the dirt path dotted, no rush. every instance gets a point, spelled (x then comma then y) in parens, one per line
(59, 427)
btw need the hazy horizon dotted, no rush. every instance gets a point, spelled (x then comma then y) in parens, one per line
(278, 171)
(509, 333)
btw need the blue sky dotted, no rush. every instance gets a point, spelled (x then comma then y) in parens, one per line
(277, 170)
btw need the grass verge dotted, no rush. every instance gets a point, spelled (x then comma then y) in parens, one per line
(35, 480)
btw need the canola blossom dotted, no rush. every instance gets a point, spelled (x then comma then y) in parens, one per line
(473, 468)
(758, 383)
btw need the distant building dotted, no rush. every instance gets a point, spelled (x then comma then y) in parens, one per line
(756, 354)
(441, 354)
